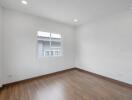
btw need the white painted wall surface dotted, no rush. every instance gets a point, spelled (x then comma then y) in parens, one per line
(20, 46)
(105, 47)
(0, 46)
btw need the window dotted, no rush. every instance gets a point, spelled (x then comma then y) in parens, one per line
(49, 44)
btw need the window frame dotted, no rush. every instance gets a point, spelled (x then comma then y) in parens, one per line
(50, 40)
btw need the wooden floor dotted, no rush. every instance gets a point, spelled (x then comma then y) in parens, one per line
(70, 85)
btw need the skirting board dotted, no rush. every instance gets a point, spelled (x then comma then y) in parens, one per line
(81, 70)
(107, 78)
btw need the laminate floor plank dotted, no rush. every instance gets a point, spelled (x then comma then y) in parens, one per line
(70, 85)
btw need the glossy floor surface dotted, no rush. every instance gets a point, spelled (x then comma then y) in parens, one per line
(70, 85)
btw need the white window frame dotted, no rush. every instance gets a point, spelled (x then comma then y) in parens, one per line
(50, 40)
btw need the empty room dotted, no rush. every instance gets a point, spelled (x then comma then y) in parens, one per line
(65, 49)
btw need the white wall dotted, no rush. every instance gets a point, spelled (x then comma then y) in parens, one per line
(20, 46)
(0, 46)
(105, 47)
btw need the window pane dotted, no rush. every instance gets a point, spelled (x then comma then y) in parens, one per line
(46, 44)
(55, 44)
(43, 34)
(56, 51)
(58, 36)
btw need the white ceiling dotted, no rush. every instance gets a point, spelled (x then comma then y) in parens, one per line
(66, 10)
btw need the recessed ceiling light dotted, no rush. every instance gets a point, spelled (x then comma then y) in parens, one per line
(24, 2)
(75, 20)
